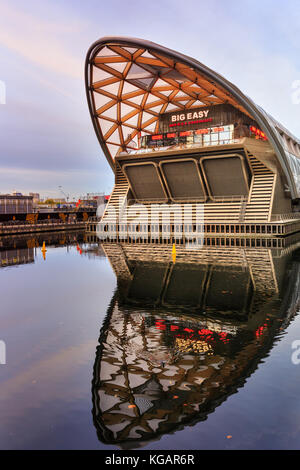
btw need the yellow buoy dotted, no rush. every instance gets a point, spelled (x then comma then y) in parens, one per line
(174, 253)
(44, 250)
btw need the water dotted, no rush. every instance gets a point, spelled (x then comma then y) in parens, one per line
(111, 346)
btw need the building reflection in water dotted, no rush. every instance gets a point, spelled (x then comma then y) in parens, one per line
(22, 249)
(179, 338)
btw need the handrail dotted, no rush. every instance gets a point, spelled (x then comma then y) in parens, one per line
(235, 218)
(285, 217)
(182, 146)
(222, 199)
(33, 227)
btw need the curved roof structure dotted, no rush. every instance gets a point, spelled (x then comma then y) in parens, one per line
(130, 82)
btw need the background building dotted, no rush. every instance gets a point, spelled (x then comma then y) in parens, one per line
(15, 204)
(35, 197)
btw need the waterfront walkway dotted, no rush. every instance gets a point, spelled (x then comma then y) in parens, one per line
(43, 226)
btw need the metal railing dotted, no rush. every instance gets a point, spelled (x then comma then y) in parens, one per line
(183, 200)
(30, 227)
(182, 146)
(285, 217)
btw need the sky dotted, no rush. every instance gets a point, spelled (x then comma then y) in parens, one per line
(46, 135)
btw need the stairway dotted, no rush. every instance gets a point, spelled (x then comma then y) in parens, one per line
(117, 199)
(261, 192)
(118, 261)
(256, 209)
(262, 271)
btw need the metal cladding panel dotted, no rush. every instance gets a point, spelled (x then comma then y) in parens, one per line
(230, 292)
(225, 176)
(145, 182)
(147, 281)
(185, 286)
(183, 179)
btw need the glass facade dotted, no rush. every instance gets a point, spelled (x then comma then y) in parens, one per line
(192, 138)
(294, 164)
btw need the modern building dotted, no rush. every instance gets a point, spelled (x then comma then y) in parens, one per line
(15, 204)
(176, 132)
(35, 197)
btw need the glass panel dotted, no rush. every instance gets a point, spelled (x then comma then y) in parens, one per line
(99, 74)
(132, 50)
(112, 149)
(157, 69)
(133, 121)
(106, 52)
(206, 139)
(171, 106)
(105, 125)
(199, 103)
(165, 93)
(111, 112)
(100, 100)
(114, 138)
(161, 82)
(198, 138)
(134, 142)
(224, 137)
(295, 167)
(119, 66)
(175, 75)
(195, 87)
(147, 54)
(137, 72)
(151, 99)
(113, 88)
(127, 131)
(181, 93)
(137, 99)
(157, 108)
(145, 83)
(128, 88)
(214, 137)
(125, 109)
(147, 116)
(151, 127)
(184, 102)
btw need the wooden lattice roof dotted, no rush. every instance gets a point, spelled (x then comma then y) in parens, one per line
(132, 86)
(130, 82)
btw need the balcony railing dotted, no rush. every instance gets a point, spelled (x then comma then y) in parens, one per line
(285, 217)
(183, 146)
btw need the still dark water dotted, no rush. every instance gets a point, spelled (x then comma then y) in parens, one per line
(115, 346)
